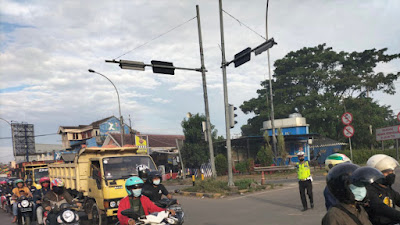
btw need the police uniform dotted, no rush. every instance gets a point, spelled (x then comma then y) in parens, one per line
(304, 176)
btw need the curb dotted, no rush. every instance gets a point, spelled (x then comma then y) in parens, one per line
(202, 195)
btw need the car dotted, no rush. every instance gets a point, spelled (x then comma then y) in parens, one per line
(334, 159)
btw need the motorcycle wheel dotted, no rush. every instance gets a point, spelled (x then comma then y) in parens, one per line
(97, 218)
(27, 220)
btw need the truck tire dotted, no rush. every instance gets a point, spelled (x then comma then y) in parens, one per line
(97, 217)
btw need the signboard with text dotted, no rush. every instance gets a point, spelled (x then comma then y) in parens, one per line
(388, 133)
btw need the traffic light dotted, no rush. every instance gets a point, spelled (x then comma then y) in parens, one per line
(232, 116)
(157, 69)
(242, 57)
(264, 46)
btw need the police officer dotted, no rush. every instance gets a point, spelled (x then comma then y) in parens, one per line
(305, 180)
(383, 199)
(347, 183)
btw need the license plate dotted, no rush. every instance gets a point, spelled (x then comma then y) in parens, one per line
(26, 210)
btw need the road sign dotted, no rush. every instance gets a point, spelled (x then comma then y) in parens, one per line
(388, 133)
(348, 131)
(398, 116)
(347, 118)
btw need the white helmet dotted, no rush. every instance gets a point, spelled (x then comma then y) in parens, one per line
(300, 153)
(382, 162)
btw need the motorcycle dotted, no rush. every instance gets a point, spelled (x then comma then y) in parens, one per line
(7, 203)
(174, 205)
(158, 218)
(25, 210)
(65, 214)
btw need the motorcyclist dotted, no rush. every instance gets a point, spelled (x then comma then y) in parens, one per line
(28, 183)
(136, 201)
(54, 198)
(347, 183)
(143, 172)
(3, 192)
(38, 198)
(153, 188)
(383, 199)
(18, 191)
(333, 160)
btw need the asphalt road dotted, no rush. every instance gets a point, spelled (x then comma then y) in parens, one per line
(271, 207)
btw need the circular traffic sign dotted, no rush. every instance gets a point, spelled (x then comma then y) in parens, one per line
(348, 131)
(347, 118)
(398, 116)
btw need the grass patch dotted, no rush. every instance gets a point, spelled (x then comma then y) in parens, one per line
(209, 186)
(244, 183)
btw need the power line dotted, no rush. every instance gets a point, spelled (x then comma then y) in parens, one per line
(156, 37)
(39, 135)
(241, 23)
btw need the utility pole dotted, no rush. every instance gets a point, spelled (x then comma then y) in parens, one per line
(270, 92)
(130, 130)
(203, 75)
(26, 143)
(226, 104)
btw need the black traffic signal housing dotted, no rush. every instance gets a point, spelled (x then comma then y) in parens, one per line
(242, 57)
(164, 67)
(232, 116)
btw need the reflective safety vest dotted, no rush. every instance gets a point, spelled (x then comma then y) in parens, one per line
(303, 171)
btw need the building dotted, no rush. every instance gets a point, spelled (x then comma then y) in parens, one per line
(43, 152)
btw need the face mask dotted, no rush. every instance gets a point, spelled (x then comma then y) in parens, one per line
(136, 192)
(301, 160)
(389, 179)
(58, 190)
(358, 192)
(156, 182)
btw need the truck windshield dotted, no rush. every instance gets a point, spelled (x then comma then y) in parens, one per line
(124, 167)
(41, 172)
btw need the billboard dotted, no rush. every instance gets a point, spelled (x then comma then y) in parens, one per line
(388, 133)
(24, 138)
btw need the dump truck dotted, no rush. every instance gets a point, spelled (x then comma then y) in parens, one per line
(34, 170)
(96, 176)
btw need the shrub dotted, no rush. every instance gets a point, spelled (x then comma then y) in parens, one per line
(221, 164)
(242, 167)
(361, 156)
(243, 184)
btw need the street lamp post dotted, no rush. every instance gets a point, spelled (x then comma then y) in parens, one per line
(119, 106)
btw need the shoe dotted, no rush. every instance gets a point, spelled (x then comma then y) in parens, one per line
(304, 209)
(312, 205)
(14, 220)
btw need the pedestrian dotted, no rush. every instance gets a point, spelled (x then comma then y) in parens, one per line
(347, 184)
(305, 180)
(383, 199)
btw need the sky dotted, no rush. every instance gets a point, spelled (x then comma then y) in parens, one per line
(47, 47)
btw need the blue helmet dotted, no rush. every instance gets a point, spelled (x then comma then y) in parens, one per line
(133, 183)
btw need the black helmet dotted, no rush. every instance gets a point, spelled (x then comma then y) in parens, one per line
(338, 181)
(143, 174)
(29, 180)
(366, 175)
(154, 174)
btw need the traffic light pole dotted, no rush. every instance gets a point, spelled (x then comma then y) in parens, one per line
(203, 75)
(226, 104)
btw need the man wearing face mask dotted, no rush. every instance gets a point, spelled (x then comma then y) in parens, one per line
(153, 188)
(347, 183)
(54, 198)
(383, 199)
(136, 201)
(305, 180)
(38, 198)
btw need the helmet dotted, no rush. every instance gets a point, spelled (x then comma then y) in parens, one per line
(10, 183)
(29, 180)
(3, 182)
(44, 179)
(57, 182)
(133, 182)
(143, 174)
(335, 159)
(154, 174)
(338, 181)
(18, 181)
(300, 153)
(382, 162)
(366, 175)
(141, 167)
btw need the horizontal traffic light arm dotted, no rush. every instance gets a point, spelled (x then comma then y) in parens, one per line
(139, 65)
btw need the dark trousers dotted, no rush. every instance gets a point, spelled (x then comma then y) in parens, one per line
(303, 185)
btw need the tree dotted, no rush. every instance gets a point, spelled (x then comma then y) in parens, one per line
(319, 83)
(221, 164)
(264, 155)
(195, 149)
(281, 146)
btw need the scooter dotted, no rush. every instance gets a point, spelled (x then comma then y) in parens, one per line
(174, 205)
(25, 210)
(7, 203)
(66, 215)
(159, 218)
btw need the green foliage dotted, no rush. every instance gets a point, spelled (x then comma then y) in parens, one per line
(361, 156)
(281, 146)
(320, 83)
(265, 155)
(243, 184)
(209, 186)
(243, 167)
(221, 164)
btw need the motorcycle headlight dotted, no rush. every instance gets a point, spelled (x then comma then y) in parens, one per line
(68, 216)
(76, 217)
(24, 203)
(118, 203)
(113, 204)
(59, 220)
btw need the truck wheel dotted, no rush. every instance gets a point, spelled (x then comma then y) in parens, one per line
(97, 218)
